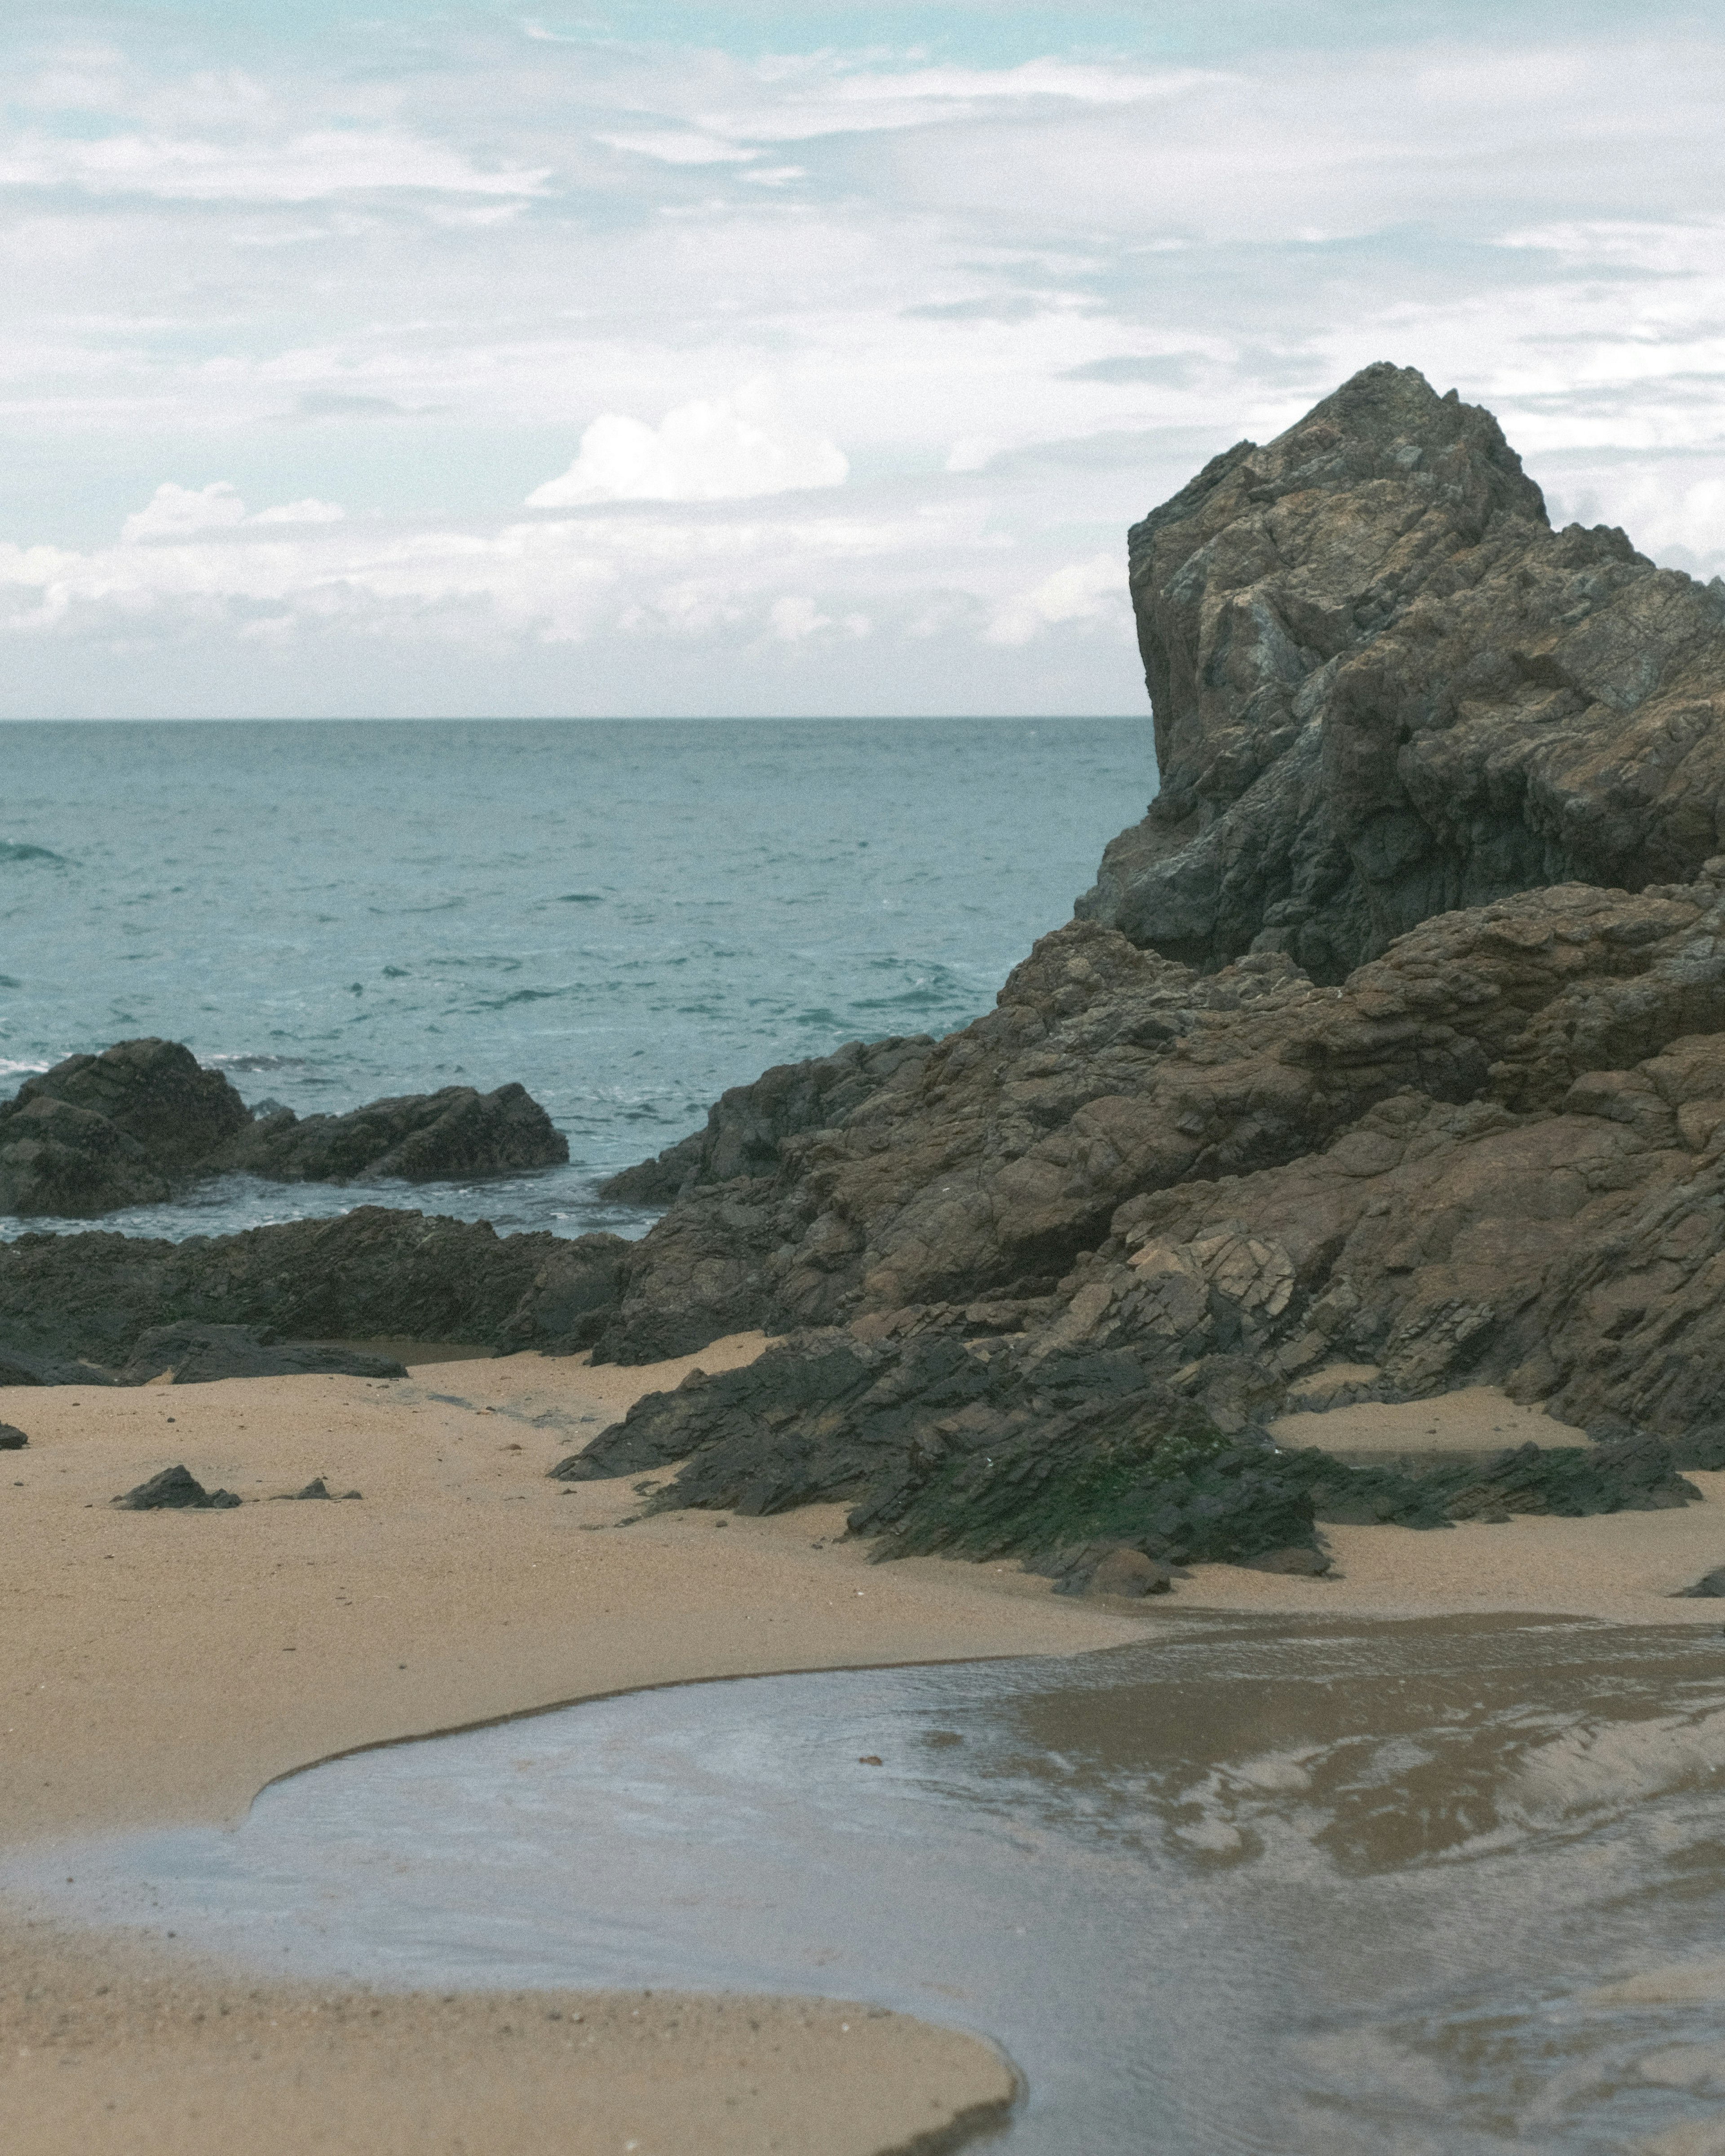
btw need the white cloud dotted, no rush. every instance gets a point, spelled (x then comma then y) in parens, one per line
(1083, 591)
(674, 148)
(176, 512)
(725, 449)
(794, 619)
(183, 512)
(302, 167)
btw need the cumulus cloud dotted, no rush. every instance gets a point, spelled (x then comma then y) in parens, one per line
(723, 448)
(185, 512)
(1082, 591)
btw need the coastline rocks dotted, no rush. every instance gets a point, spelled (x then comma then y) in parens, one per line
(1383, 688)
(203, 1354)
(142, 1119)
(374, 1273)
(414, 1137)
(175, 1489)
(1108, 1077)
(99, 1131)
(747, 1126)
(1388, 1056)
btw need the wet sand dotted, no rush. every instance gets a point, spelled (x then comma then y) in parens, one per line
(167, 1665)
(163, 1666)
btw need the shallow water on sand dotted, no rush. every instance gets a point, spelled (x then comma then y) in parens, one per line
(1273, 1885)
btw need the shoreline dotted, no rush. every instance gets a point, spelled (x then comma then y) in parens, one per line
(204, 1655)
(177, 1667)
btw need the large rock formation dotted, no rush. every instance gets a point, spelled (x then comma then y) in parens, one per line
(1393, 1039)
(143, 1119)
(1384, 687)
(1388, 1056)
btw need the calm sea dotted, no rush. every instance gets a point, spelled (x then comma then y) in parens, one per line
(625, 917)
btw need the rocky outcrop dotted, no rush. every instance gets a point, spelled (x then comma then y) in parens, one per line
(99, 1131)
(414, 1138)
(375, 1273)
(746, 1126)
(132, 1126)
(1385, 688)
(1388, 1056)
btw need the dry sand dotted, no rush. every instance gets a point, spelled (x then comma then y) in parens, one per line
(1623, 1568)
(163, 1666)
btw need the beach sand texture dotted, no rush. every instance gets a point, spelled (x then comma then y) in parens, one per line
(165, 1665)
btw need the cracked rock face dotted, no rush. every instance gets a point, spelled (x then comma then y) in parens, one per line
(1385, 688)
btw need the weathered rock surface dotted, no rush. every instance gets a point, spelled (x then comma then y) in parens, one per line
(746, 1126)
(12, 1438)
(98, 1131)
(142, 1119)
(373, 1273)
(414, 1137)
(203, 1354)
(1385, 688)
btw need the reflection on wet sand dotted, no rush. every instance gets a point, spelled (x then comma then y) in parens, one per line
(1267, 1885)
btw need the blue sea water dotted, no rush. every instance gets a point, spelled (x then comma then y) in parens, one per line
(625, 917)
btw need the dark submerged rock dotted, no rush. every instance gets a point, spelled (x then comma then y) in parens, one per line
(175, 1489)
(415, 1138)
(131, 1126)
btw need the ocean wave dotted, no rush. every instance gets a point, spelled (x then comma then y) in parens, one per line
(12, 850)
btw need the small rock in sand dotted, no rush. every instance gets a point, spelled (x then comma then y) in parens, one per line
(175, 1489)
(1130, 1572)
(1709, 1588)
(11, 1439)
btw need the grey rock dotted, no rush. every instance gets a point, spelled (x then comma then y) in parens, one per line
(1385, 688)
(143, 1119)
(746, 1126)
(414, 1138)
(175, 1489)
(12, 1438)
(203, 1354)
(374, 1273)
(1709, 1588)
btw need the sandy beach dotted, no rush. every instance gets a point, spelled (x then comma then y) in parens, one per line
(167, 1665)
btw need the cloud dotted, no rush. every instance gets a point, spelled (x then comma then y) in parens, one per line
(726, 448)
(1083, 591)
(673, 148)
(183, 512)
(794, 619)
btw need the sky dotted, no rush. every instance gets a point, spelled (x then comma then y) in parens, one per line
(578, 359)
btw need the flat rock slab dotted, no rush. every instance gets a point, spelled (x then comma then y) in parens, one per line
(203, 1354)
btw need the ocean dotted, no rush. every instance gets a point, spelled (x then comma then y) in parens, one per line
(625, 917)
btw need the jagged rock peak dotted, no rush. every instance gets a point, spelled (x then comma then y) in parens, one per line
(1385, 688)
